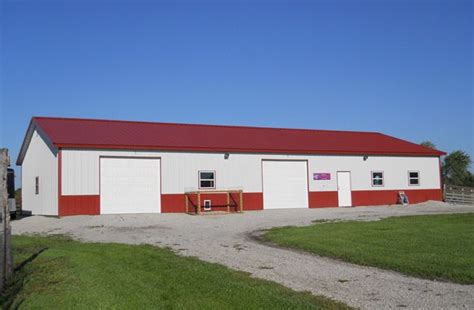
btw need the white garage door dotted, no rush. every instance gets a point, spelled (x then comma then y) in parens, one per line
(129, 185)
(285, 184)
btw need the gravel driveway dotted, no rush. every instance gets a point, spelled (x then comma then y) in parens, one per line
(226, 239)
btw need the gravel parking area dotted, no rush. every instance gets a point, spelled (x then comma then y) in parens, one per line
(227, 239)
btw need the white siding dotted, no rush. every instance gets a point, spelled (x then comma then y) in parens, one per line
(180, 170)
(40, 161)
(395, 171)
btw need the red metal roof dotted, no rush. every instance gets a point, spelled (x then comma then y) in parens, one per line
(111, 134)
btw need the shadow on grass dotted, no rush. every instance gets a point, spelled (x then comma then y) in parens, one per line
(16, 283)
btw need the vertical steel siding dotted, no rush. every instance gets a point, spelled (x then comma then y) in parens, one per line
(40, 161)
(179, 171)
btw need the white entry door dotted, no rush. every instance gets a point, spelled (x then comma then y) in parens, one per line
(129, 185)
(285, 184)
(344, 192)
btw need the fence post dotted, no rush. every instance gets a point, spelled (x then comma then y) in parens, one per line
(6, 264)
(444, 192)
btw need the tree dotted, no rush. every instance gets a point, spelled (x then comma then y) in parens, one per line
(429, 144)
(456, 169)
(469, 181)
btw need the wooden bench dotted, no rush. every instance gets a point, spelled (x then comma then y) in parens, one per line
(238, 207)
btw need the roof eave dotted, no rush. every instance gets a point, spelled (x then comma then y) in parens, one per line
(26, 142)
(239, 150)
(27, 139)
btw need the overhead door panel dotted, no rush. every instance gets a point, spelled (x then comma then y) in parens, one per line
(285, 184)
(129, 185)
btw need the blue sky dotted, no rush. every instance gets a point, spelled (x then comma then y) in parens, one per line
(404, 68)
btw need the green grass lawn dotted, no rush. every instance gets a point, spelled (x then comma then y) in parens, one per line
(433, 247)
(70, 274)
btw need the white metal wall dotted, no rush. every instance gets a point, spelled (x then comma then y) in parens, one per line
(40, 161)
(395, 171)
(179, 171)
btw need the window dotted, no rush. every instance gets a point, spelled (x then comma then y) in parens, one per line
(413, 178)
(377, 178)
(37, 185)
(207, 179)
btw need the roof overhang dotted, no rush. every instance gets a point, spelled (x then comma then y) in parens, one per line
(435, 153)
(32, 127)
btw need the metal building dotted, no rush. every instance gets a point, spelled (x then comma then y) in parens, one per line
(86, 166)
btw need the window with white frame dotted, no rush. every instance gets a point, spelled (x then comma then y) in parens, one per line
(413, 178)
(37, 185)
(377, 178)
(207, 179)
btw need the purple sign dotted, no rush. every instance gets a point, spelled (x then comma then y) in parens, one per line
(321, 176)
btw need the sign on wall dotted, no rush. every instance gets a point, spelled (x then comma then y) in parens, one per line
(321, 176)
